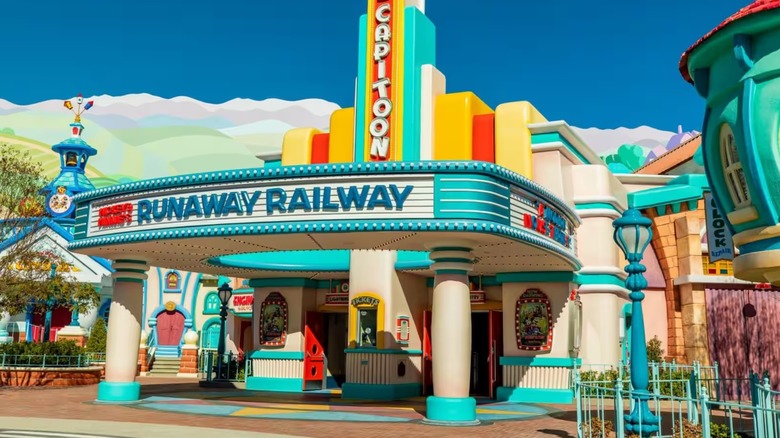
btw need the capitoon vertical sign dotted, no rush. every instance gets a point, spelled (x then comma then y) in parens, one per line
(382, 57)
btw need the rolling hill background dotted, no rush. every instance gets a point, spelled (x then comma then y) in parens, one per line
(141, 136)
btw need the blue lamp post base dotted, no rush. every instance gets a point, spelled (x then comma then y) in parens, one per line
(641, 420)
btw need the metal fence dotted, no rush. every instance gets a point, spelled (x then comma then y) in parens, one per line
(228, 367)
(44, 361)
(688, 401)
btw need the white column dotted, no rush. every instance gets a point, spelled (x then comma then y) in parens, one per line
(451, 336)
(124, 333)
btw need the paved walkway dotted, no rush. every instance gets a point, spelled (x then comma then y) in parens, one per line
(167, 412)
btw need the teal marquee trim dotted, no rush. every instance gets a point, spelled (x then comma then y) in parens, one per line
(759, 191)
(274, 384)
(137, 271)
(518, 234)
(451, 272)
(134, 262)
(540, 361)
(386, 392)
(479, 196)
(277, 355)
(535, 395)
(283, 282)
(612, 279)
(311, 261)
(402, 167)
(556, 137)
(382, 351)
(537, 277)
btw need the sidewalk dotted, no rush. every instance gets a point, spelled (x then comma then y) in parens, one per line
(77, 403)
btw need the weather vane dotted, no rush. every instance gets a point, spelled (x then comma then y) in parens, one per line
(78, 111)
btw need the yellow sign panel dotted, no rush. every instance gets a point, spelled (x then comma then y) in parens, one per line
(45, 266)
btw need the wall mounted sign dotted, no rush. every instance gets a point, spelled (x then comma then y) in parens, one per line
(273, 320)
(477, 296)
(402, 330)
(719, 242)
(322, 198)
(533, 321)
(172, 282)
(367, 322)
(243, 303)
(338, 295)
(381, 72)
(365, 301)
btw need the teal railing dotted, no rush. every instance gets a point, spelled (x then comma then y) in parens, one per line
(233, 368)
(688, 400)
(44, 361)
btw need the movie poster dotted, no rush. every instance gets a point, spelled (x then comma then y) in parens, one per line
(273, 320)
(533, 321)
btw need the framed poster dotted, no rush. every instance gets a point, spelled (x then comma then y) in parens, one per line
(273, 320)
(533, 321)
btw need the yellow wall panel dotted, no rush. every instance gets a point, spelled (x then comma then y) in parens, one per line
(296, 146)
(342, 136)
(453, 124)
(513, 138)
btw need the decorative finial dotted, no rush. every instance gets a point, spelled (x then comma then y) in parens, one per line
(79, 110)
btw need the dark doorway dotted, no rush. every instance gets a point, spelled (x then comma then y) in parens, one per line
(480, 354)
(336, 334)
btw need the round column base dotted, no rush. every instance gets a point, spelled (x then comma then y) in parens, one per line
(451, 411)
(118, 392)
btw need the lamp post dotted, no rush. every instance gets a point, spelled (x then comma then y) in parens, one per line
(632, 234)
(224, 292)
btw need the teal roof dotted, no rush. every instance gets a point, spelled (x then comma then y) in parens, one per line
(75, 181)
(681, 190)
(74, 144)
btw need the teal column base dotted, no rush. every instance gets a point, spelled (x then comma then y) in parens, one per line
(451, 411)
(274, 384)
(118, 392)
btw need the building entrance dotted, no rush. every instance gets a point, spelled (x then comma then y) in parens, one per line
(336, 341)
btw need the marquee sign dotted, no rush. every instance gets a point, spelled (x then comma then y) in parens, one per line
(535, 215)
(382, 91)
(266, 201)
(339, 295)
(533, 321)
(243, 303)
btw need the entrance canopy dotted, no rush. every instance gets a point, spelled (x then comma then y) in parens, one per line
(223, 222)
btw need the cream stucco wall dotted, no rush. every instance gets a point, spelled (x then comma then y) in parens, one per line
(654, 312)
(299, 301)
(553, 170)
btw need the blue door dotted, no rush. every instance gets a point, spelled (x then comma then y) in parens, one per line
(211, 336)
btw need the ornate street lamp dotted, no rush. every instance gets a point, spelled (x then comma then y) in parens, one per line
(49, 307)
(632, 235)
(224, 292)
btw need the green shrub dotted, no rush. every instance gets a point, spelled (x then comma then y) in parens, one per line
(654, 351)
(97, 337)
(36, 354)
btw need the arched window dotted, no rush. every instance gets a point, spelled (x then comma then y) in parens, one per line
(211, 304)
(172, 282)
(732, 168)
(210, 338)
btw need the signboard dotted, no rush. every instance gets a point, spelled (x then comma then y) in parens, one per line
(323, 198)
(535, 215)
(477, 297)
(243, 303)
(719, 242)
(533, 321)
(273, 320)
(382, 93)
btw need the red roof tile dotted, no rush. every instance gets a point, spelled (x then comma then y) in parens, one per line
(753, 8)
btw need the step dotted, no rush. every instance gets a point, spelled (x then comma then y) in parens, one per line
(168, 359)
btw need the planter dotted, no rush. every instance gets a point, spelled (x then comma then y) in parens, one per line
(50, 377)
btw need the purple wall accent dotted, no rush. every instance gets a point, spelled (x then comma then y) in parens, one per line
(654, 274)
(741, 345)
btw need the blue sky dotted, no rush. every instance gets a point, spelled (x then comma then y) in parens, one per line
(605, 64)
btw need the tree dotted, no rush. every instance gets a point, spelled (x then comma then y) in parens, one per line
(654, 351)
(627, 158)
(97, 337)
(31, 274)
